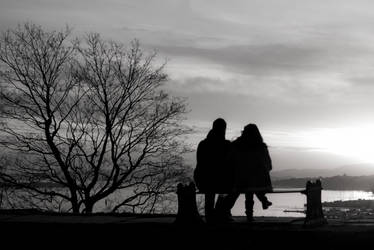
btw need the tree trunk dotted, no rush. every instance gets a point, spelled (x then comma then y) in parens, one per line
(75, 207)
(74, 202)
(89, 207)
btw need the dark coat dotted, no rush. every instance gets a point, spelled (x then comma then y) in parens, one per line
(211, 169)
(251, 165)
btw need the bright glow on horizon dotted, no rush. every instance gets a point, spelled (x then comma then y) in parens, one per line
(357, 142)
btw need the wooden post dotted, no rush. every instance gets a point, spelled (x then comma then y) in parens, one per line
(187, 207)
(314, 212)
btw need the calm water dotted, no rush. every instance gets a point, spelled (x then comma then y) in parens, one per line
(284, 205)
(295, 202)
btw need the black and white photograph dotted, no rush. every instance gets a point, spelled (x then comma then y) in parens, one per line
(169, 124)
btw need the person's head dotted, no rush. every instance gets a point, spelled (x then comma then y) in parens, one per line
(219, 127)
(252, 133)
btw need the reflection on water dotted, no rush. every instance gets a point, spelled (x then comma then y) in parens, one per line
(293, 202)
(284, 204)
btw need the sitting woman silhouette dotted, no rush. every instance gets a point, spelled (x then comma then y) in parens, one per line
(250, 162)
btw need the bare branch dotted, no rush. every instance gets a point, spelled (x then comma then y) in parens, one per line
(91, 117)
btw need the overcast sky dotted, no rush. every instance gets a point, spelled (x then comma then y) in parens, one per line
(302, 70)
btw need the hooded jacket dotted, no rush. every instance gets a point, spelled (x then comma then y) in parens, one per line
(211, 169)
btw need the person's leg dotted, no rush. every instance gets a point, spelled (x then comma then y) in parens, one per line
(223, 207)
(264, 200)
(249, 206)
(209, 206)
(220, 203)
(230, 200)
(261, 196)
(225, 204)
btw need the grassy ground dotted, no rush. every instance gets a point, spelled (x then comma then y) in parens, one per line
(42, 231)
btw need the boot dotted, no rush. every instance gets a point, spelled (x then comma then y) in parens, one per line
(249, 206)
(266, 204)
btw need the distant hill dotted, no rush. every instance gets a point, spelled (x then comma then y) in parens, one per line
(341, 182)
(350, 170)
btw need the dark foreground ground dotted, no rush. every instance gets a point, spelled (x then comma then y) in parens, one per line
(65, 231)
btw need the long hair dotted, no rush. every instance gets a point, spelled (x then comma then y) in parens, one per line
(251, 134)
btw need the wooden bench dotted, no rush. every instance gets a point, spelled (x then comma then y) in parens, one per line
(188, 212)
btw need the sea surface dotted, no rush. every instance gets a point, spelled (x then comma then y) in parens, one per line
(284, 204)
(292, 204)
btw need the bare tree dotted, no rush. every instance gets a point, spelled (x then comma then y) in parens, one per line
(90, 120)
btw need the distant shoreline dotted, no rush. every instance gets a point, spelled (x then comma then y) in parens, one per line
(361, 204)
(335, 183)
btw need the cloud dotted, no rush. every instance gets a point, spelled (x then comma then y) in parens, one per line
(254, 59)
(279, 58)
(283, 64)
(366, 81)
(286, 90)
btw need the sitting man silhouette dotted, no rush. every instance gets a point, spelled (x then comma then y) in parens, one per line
(210, 174)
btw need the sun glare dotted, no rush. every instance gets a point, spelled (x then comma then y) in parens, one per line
(355, 143)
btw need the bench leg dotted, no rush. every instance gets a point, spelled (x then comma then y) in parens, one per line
(187, 207)
(314, 212)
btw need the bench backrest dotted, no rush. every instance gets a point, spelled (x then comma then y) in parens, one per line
(254, 190)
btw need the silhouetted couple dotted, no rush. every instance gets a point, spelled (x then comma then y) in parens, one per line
(231, 168)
